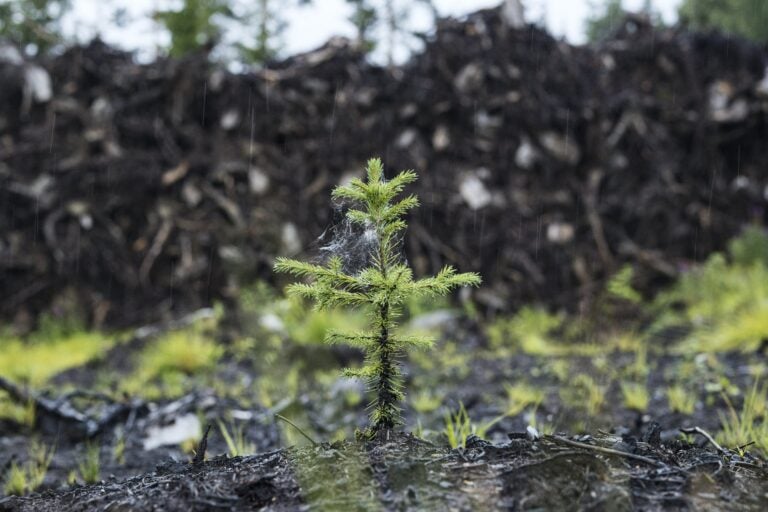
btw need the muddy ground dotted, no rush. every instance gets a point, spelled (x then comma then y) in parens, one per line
(406, 473)
(146, 456)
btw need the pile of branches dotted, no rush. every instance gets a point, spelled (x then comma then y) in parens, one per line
(146, 189)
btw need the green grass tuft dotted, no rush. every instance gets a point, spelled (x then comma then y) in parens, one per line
(748, 426)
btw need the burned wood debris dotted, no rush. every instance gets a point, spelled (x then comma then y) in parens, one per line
(145, 189)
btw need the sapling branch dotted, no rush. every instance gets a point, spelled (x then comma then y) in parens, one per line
(383, 287)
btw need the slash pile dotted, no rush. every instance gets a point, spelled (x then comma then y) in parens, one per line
(141, 190)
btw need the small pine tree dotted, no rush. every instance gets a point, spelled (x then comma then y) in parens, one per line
(747, 18)
(193, 26)
(382, 287)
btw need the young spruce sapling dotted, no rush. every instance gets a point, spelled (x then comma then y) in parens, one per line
(382, 287)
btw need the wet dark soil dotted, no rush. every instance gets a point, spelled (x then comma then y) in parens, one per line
(146, 455)
(406, 473)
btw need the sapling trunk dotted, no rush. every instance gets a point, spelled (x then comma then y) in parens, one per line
(383, 287)
(385, 397)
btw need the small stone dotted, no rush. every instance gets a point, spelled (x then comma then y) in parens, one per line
(441, 138)
(560, 232)
(38, 83)
(271, 322)
(290, 238)
(526, 155)
(761, 89)
(191, 194)
(513, 14)
(406, 138)
(722, 107)
(740, 183)
(469, 78)
(231, 254)
(230, 119)
(561, 147)
(474, 192)
(258, 181)
(182, 429)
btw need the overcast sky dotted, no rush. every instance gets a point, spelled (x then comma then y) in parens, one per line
(309, 27)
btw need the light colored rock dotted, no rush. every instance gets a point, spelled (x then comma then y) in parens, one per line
(271, 322)
(191, 194)
(10, 54)
(230, 119)
(761, 89)
(441, 139)
(722, 107)
(258, 181)
(560, 232)
(469, 78)
(740, 183)
(561, 147)
(408, 110)
(526, 155)
(101, 109)
(473, 191)
(347, 177)
(216, 80)
(406, 138)
(486, 123)
(231, 254)
(184, 428)
(513, 14)
(608, 61)
(37, 83)
(290, 238)
(432, 320)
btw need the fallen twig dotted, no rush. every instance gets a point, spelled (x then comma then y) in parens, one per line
(202, 447)
(707, 436)
(608, 451)
(60, 411)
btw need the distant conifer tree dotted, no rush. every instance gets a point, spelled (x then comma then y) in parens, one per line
(35, 25)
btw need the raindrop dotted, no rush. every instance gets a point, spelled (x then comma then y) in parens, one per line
(696, 244)
(205, 98)
(77, 252)
(567, 128)
(170, 284)
(431, 208)
(37, 217)
(253, 127)
(53, 130)
(333, 113)
(480, 239)
(210, 274)
(711, 191)
(538, 236)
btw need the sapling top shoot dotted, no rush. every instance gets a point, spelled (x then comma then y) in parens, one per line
(382, 287)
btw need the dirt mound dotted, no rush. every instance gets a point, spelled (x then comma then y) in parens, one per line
(147, 189)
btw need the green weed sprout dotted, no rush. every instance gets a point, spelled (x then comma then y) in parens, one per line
(381, 288)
